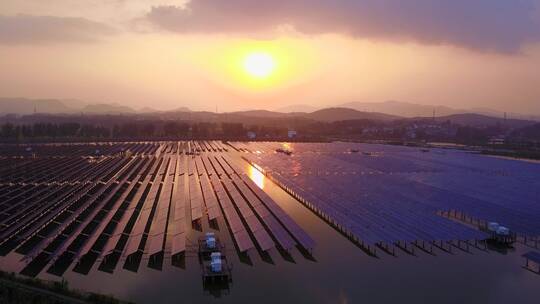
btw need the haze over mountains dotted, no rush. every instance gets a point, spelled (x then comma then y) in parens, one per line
(406, 109)
(346, 114)
(28, 106)
(403, 109)
(25, 106)
(382, 111)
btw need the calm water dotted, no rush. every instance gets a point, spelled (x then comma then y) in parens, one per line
(341, 273)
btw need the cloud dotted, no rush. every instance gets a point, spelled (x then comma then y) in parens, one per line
(29, 29)
(499, 25)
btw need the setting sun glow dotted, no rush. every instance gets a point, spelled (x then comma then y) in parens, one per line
(259, 65)
(257, 71)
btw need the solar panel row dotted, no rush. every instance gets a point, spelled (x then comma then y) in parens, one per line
(391, 194)
(120, 206)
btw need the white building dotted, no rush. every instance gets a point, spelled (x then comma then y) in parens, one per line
(292, 134)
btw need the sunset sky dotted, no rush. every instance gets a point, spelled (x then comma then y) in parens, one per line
(166, 54)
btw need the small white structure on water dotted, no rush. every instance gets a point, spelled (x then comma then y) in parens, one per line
(493, 226)
(503, 231)
(210, 240)
(216, 263)
(292, 134)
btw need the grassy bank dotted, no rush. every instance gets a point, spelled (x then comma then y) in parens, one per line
(18, 289)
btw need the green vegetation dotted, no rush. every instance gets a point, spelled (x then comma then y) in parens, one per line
(17, 289)
(514, 153)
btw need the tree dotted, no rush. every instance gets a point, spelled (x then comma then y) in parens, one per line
(8, 130)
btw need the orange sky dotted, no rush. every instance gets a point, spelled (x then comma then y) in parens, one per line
(115, 54)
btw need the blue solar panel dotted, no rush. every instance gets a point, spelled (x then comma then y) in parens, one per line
(533, 256)
(391, 193)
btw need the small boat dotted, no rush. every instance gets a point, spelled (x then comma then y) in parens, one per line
(287, 152)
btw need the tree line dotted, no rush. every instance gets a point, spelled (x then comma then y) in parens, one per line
(133, 130)
(306, 130)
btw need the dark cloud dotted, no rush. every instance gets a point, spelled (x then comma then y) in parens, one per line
(500, 25)
(27, 29)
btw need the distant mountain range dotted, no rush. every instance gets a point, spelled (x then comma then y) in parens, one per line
(29, 106)
(25, 106)
(338, 114)
(107, 109)
(406, 109)
(297, 108)
(342, 114)
(403, 109)
(384, 111)
(326, 115)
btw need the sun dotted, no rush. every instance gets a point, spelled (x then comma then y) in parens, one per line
(259, 65)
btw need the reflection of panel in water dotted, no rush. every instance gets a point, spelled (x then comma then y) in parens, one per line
(217, 290)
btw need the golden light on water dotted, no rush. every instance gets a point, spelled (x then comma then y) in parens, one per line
(256, 176)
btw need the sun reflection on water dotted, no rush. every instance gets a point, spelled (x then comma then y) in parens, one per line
(256, 176)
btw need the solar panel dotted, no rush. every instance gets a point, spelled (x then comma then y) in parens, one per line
(396, 192)
(243, 241)
(178, 244)
(156, 243)
(533, 256)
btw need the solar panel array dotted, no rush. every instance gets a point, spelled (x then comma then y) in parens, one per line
(134, 201)
(533, 256)
(390, 194)
(76, 149)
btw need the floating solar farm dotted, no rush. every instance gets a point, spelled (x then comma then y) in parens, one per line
(78, 207)
(143, 212)
(383, 196)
